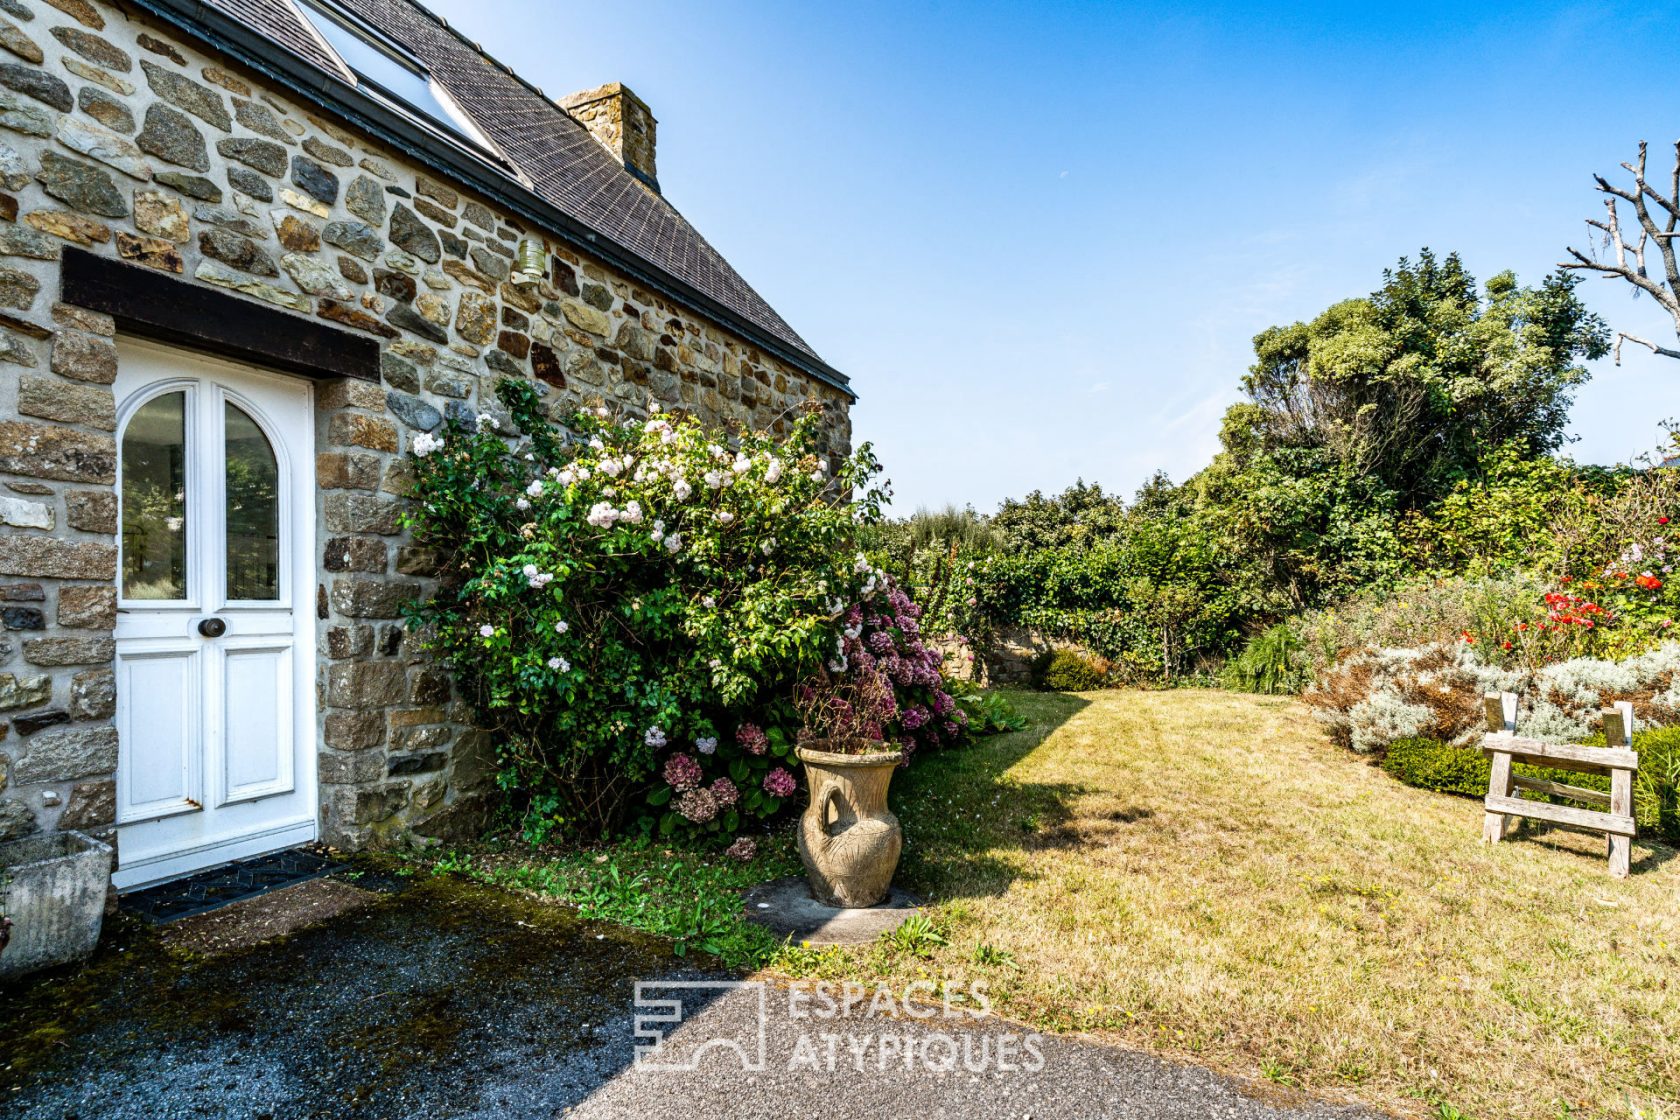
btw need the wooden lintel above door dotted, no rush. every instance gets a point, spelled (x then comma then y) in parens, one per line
(179, 311)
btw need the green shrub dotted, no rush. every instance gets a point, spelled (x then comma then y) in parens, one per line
(989, 713)
(1273, 662)
(1071, 671)
(1656, 788)
(1431, 764)
(612, 599)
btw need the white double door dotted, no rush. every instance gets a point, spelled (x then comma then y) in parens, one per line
(215, 627)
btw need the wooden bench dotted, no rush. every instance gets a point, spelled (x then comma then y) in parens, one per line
(1614, 815)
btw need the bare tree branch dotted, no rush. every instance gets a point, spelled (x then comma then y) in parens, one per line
(1623, 336)
(1630, 263)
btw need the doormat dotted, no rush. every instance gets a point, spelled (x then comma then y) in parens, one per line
(233, 882)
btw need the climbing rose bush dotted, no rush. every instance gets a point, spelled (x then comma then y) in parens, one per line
(620, 599)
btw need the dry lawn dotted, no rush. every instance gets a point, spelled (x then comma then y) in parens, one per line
(1203, 875)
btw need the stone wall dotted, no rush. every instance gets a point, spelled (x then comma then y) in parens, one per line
(118, 136)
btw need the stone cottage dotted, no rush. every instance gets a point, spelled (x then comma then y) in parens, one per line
(248, 249)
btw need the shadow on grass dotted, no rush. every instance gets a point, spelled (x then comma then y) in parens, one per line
(962, 814)
(1649, 854)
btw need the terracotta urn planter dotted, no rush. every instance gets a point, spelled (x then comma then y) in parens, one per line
(848, 840)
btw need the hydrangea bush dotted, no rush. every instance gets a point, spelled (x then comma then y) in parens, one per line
(621, 599)
(883, 637)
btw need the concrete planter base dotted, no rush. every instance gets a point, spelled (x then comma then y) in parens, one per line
(53, 890)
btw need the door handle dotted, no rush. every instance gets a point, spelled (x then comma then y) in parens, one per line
(212, 627)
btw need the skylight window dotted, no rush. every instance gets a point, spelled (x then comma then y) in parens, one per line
(389, 72)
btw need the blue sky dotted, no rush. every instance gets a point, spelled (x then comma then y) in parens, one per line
(1040, 237)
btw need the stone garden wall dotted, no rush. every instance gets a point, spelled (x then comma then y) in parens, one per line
(119, 136)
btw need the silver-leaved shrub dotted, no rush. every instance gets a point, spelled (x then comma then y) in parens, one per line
(1373, 697)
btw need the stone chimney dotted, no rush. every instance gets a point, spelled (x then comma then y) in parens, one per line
(622, 123)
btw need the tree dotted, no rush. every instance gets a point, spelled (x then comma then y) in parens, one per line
(1080, 516)
(1414, 386)
(1630, 262)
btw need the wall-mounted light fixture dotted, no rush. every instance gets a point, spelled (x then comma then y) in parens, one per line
(530, 263)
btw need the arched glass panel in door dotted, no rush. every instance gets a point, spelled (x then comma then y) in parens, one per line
(154, 500)
(253, 509)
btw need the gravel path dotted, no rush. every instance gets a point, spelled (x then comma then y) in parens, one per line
(449, 1001)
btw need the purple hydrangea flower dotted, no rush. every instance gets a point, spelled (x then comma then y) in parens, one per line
(723, 791)
(698, 805)
(682, 772)
(752, 738)
(779, 783)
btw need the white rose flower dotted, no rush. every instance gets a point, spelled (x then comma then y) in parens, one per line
(681, 489)
(562, 626)
(424, 444)
(535, 490)
(773, 472)
(724, 517)
(487, 631)
(522, 505)
(673, 543)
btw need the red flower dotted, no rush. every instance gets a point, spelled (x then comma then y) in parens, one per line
(1648, 582)
(1662, 521)
(1468, 637)
(1507, 645)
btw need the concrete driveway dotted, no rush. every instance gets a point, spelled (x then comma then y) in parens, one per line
(447, 1000)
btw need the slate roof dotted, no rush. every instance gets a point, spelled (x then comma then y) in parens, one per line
(557, 157)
